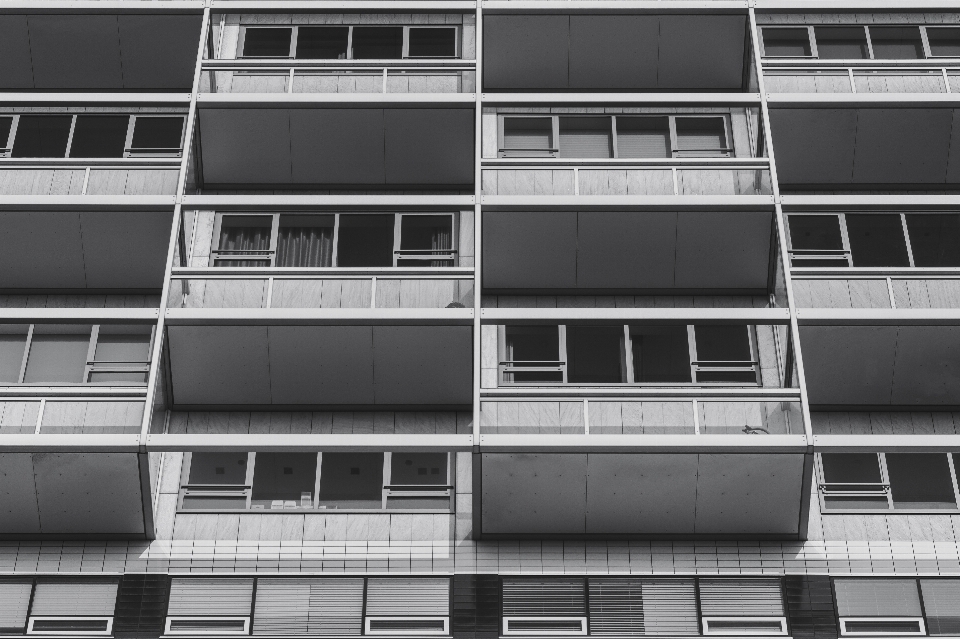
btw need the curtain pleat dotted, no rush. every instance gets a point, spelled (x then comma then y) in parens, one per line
(305, 246)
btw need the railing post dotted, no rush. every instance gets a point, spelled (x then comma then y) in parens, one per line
(373, 292)
(696, 417)
(384, 79)
(893, 299)
(586, 416)
(946, 80)
(86, 181)
(290, 81)
(576, 181)
(676, 180)
(269, 303)
(43, 405)
(853, 84)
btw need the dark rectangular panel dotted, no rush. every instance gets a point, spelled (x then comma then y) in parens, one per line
(525, 51)
(814, 146)
(701, 52)
(16, 72)
(953, 161)
(75, 51)
(927, 366)
(613, 52)
(144, 235)
(849, 364)
(337, 146)
(625, 249)
(321, 364)
(422, 364)
(723, 249)
(245, 146)
(159, 51)
(41, 249)
(219, 364)
(429, 146)
(529, 249)
(901, 146)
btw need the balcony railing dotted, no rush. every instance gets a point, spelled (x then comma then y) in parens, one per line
(820, 79)
(848, 290)
(77, 414)
(60, 177)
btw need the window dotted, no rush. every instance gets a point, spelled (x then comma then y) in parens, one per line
(337, 239)
(841, 43)
(888, 481)
(91, 136)
(944, 41)
(60, 354)
(350, 42)
(616, 136)
(311, 481)
(786, 43)
(701, 354)
(896, 43)
(875, 240)
(856, 42)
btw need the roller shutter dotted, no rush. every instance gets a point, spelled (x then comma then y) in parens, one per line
(14, 603)
(941, 602)
(616, 607)
(741, 598)
(400, 597)
(316, 606)
(210, 597)
(877, 598)
(670, 607)
(70, 599)
(544, 598)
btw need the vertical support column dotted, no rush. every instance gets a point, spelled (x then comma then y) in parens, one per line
(477, 264)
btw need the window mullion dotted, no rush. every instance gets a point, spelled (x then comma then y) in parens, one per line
(613, 135)
(350, 43)
(925, 42)
(73, 126)
(336, 240)
(405, 47)
(866, 30)
(274, 238)
(91, 353)
(294, 33)
(397, 226)
(814, 52)
(387, 459)
(845, 237)
(692, 352)
(128, 143)
(631, 375)
(953, 478)
(555, 142)
(26, 353)
(14, 124)
(672, 120)
(906, 238)
(562, 336)
(885, 478)
(317, 480)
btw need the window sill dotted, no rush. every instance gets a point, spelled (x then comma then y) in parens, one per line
(894, 511)
(317, 511)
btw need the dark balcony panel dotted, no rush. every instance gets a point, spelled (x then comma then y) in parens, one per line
(75, 51)
(219, 365)
(429, 146)
(814, 146)
(245, 146)
(337, 146)
(905, 146)
(529, 249)
(16, 72)
(422, 364)
(723, 249)
(625, 249)
(613, 52)
(159, 51)
(525, 51)
(701, 52)
(321, 364)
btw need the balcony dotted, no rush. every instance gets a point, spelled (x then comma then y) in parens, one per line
(861, 80)
(76, 179)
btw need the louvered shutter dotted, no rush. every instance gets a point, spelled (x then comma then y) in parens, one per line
(877, 598)
(215, 597)
(741, 598)
(527, 133)
(700, 134)
(670, 607)
(544, 598)
(70, 599)
(14, 603)
(616, 606)
(316, 606)
(402, 597)
(941, 602)
(585, 138)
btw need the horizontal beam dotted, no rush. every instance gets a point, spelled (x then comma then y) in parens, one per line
(307, 443)
(87, 202)
(878, 317)
(438, 272)
(79, 315)
(869, 6)
(102, 98)
(873, 273)
(614, 6)
(69, 443)
(344, 6)
(102, 6)
(319, 316)
(78, 391)
(628, 202)
(320, 100)
(632, 98)
(886, 443)
(717, 444)
(779, 316)
(702, 393)
(593, 163)
(319, 202)
(869, 202)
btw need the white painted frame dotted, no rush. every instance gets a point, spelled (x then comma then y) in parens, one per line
(844, 632)
(413, 631)
(781, 621)
(71, 633)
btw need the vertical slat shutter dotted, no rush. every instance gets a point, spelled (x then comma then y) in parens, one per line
(316, 606)
(415, 597)
(544, 598)
(941, 602)
(669, 607)
(877, 598)
(741, 598)
(210, 597)
(585, 138)
(68, 599)
(616, 606)
(14, 601)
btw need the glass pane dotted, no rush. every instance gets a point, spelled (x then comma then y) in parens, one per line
(877, 240)
(661, 354)
(244, 234)
(99, 136)
(786, 43)
(42, 136)
(284, 480)
(123, 344)
(815, 232)
(217, 502)
(157, 133)
(418, 469)
(935, 239)
(851, 468)
(944, 41)
(305, 240)
(267, 42)
(533, 134)
(841, 43)
(5, 126)
(705, 136)
(377, 43)
(728, 377)
(351, 480)
(722, 343)
(920, 480)
(432, 43)
(426, 233)
(322, 43)
(365, 240)
(594, 354)
(643, 137)
(12, 342)
(57, 354)
(586, 138)
(218, 469)
(896, 43)
(540, 344)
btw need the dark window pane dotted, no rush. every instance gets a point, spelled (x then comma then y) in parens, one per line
(920, 480)
(722, 343)
(322, 43)
(13, 341)
(643, 137)
(5, 126)
(244, 235)
(896, 43)
(877, 240)
(815, 232)
(119, 348)
(305, 240)
(351, 480)
(786, 43)
(218, 468)
(58, 356)
(586, 138)
(432, 43)
(218, 502)
(365, 240)
(661, 354)
(851, 468)
(944, 41)
(99, 136)
(527, 134)
(418, 469)
(377, 43)
(841, 43)
(157, 133)
(594, 354)
(426, 233)
(286, 477)
(267, 42)
(539, 345)
(701, 136)
(728, 377)
(935, 239)
(42, 136)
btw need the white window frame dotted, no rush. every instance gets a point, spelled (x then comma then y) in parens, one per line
(211, 631)
(416, 631)
(130, 152)
(70, 633)
(405, 47)
(814, 52)
(847, 633)
(707, 630)
(546, 632)
(214, 490)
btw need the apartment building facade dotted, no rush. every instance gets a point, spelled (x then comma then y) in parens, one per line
(545, 318)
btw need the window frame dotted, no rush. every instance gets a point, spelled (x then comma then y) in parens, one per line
(404, 55)
(815, 54)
